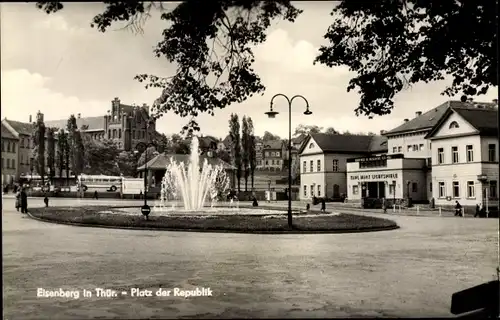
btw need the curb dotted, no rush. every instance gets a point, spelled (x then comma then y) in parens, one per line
(77, 224)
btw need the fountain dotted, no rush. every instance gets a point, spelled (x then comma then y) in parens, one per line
(192, 183)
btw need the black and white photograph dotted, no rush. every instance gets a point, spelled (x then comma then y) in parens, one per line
(236, 159)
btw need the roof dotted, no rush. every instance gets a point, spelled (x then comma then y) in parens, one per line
(299, 139)
(431, 118)
(6, 134)
(160, 161)
(23, 128)
(485, 121)
(93, 123)
(273, 144)
(348, 143)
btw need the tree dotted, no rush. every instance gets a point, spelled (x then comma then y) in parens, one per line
(100, 157)
(147, 155)
(234, 133)
(245, 150)
(252, 152)
(388, 44)
(72, 128)
(39, 142)
(268, 136)
(62, 151)
(127, 163)
(307, 129)
(78, 154)
(161, 141)
(51, 153)
(331, 130)
(178, 145)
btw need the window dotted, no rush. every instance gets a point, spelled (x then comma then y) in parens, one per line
(272, 161)
(266, 153)
(470, 153)
(492, 152)
(442, 190)
(8, 146)
(454, 125)
(22, 143)
(394, 149)
(456, 189)
(319, 166)
(109, 133)
(335, 165)
(267, 162)
(493, 189)
(415, 147)
(311, 166)
(392, 189)
(430, 187)
(13, 163)
(430, 145)
(22, 159)
(319, 190)
(471, 189)
(454, 154)
(408, 148)
(421, 146)
(440, 155)
(312, 190)
(305, 191)
(311, 145)
(304, 166)
(414, 187)
(400, 149)
(119, 133)
(272, 154)
(8, 163)
(355, 189)
(278, 154)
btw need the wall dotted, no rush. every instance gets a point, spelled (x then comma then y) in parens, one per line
(485, 142)
(445, 130)
(461, 143)
(404, 140)
(10, 156)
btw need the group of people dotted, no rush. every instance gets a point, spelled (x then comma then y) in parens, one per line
(22, 200)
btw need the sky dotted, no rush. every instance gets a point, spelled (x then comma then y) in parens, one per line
(59, 65)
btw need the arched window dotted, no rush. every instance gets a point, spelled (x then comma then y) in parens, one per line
(311, 146)
(133, 134)
(119, 133)
(114, 133)
(109, 133)
(454, 125)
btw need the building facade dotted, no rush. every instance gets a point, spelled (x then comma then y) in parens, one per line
(447, 154)
(273, 155)
(10, 156)
(324, 160)
(465, 157)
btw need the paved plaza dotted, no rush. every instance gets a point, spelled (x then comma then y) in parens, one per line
(412, 271)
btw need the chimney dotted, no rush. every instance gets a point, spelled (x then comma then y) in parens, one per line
(418, 114)
(79, 115)
(31, 119)
(406, 120)
(382, 132)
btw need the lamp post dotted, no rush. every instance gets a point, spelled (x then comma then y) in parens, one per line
(145, 146)
(32, 160)
(272, 114)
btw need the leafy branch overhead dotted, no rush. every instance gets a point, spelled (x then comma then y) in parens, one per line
(390, 45)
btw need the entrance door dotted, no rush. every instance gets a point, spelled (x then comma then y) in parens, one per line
(336, 191)
(381, 190)
(372, 189)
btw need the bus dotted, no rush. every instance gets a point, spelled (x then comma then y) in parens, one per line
(99, 183)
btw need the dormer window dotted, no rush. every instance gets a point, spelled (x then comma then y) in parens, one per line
(454, 125)
(311, 146)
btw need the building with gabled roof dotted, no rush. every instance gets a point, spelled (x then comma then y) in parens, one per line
(427, 157)
(323, 161)
(10, 155)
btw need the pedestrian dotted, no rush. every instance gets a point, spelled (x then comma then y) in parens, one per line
(18, 200)
(384, 205)
(46, 200)
(458, 209)
(323, 205)
(24, 201)
(308, 206)
(96, 196)
(254, 202)
(478, 210)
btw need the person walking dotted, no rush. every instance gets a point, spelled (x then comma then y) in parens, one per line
(46, 201)
(18, 200)
(323, 205)
(384, 205)
(96, 196)
(478, 210)
(24, 201)
(458, 209)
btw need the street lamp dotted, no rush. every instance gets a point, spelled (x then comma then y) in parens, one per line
(272, 114)
(145, 209)
(31, 169)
